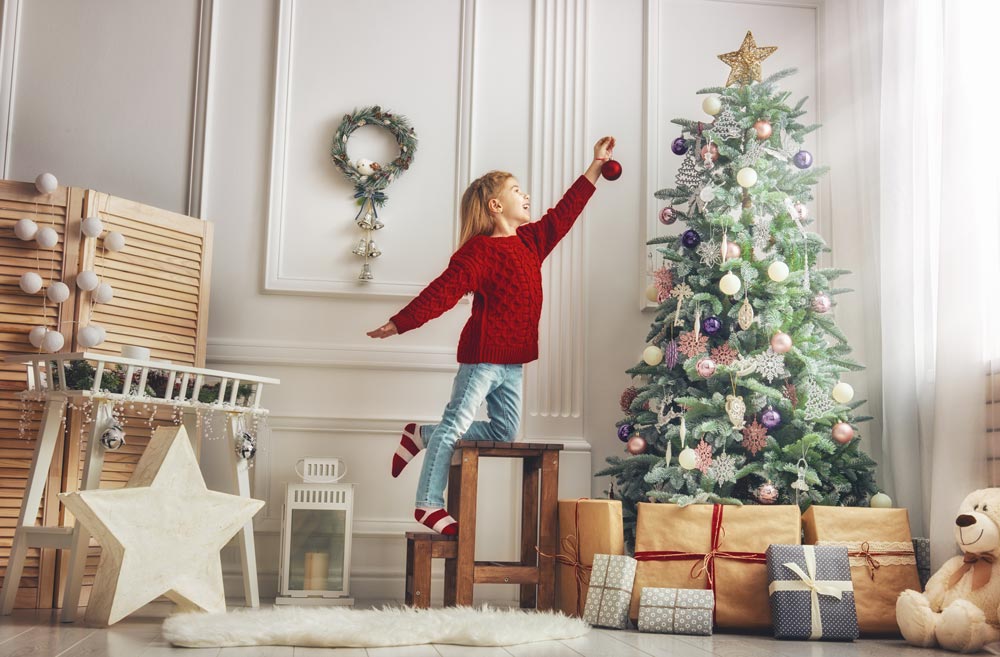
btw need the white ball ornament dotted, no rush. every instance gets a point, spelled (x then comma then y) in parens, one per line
(92, 226)
(778, 271)
(746, 177)
(730, 283)
(103, 293)
(687, 459)
(30, 282)
(652, 293)
(25, 229)
(842, 393)
(707, 194)
(36, 334)
(90, 336)
(53, 342)
(653, 355)
(87, 280)
(46, 183)
(57, 292)
(114, 241)
(881, 501)
(712, 104)
(47, 237)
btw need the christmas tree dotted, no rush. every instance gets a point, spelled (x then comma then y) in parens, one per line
(738, 398)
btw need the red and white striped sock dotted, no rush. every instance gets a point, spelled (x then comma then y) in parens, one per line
(436, 519)
(410, 444)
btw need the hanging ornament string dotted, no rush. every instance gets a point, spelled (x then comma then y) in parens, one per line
(371, 178)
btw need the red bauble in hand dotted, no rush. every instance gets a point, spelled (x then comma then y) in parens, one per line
(611, 170)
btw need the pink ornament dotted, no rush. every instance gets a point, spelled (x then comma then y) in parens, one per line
(842, 432)
(781, 343)
(668, 216)
(733, 250)
(705, 367)
(821, 303)
(763, 129)
(636, 445)
(767, 493)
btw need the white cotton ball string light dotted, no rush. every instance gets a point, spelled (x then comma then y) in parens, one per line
(47, 237)
(46, 183)
(104, 293)
(36, 334)
(30, 282)
(114, 241)
(53, 342)
(57, 292)
(90, 336)
(92, 226)
(25, 230)
(87, 280)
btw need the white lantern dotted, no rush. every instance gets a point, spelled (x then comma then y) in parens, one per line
(36, 334)
(92, 226)
(316, 536)
(53, 342)
(25, 229)
(777, 271)
(104, 293)
(114, 241)
(712, 104)
(57, 292)
(87, 280)
(746, 177)
(30, 282)
(842, 392)
(90, 336)
(46, 183)
(730, 283)
(46, 237)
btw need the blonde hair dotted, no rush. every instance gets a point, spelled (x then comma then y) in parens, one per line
(475, 214)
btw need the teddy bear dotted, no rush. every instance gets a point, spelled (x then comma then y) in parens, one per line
(958, 609)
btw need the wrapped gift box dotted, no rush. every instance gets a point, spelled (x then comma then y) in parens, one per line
(880, 548)
(676, 611)
(922, 553)
(610, 591)
(586, 528)
(713, 547)
(811, 593)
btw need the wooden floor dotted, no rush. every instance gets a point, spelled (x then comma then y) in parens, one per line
(40, 634)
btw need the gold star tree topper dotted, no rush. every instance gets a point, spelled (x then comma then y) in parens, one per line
(745, 62)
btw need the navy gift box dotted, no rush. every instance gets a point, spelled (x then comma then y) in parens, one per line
(811, 593)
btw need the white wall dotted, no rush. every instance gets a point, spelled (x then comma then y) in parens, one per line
(105, 101)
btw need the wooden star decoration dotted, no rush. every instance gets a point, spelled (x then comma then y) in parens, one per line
(745, 62)
(161, 534)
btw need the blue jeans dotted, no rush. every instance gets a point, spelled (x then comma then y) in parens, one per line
(500, 387)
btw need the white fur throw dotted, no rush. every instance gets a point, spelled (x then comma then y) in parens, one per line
(339, 627)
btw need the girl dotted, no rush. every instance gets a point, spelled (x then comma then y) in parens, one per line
(499, 260)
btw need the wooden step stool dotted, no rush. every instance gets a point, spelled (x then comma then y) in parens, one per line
(539, 526)
(421, 547)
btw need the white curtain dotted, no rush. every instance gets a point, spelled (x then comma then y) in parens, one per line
(938, 253)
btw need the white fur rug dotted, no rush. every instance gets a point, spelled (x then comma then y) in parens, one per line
(339, 627)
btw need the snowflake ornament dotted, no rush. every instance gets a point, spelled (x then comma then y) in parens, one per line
(754, 437)
(723, 469)
(818, 403)
(724, 354)
(710, 253)
(761, 233)
(692, 345)
(703, 456)
(770, 365)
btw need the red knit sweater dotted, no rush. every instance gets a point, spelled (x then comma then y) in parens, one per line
(505, 275)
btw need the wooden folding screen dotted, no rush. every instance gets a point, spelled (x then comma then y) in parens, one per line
(161, 284)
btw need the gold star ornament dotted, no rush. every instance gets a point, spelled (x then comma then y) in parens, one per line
(745, 62)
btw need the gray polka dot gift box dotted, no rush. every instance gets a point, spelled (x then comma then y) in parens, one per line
(676, 611)
(922, 552)
(811, 593)
(610, 591)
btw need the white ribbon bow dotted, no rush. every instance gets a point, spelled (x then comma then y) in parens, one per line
(807, 582)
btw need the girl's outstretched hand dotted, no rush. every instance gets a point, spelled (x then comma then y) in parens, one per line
(603, 148)
(383, 331)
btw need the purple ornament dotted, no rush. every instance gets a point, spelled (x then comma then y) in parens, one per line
(671, 353)
(624, 431)
(691, 238)
(803, 159)
(679, 146)
(770, 418)
(711, 325)
(668, 215)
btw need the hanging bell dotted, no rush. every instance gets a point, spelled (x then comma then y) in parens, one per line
(366, 273)
(113, 437)
(246, 446)
(362, 248)
(373, 251)
(376, 224)
(365, 222)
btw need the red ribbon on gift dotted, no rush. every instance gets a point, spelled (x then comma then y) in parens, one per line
(705, 562)
(571, 557)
